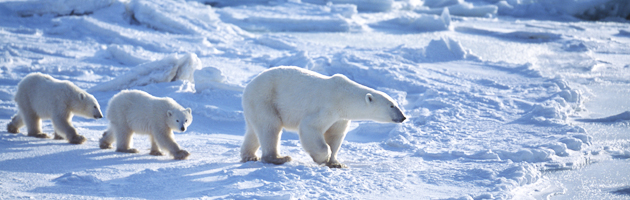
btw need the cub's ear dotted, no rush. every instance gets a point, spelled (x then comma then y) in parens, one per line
(81, 96)
(189, 110)
(169, 113)
(368, 98)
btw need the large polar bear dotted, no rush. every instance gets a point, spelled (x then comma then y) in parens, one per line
(40, 96)
(319, 107)
(136, 111)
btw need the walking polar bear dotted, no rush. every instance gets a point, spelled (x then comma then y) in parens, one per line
(136, 111)
(319, 107)
(40, 96)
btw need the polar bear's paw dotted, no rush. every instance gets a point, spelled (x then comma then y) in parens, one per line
(250, 158)
(132, 150)
(77, 139)
(156, 153)
(336, 165)
(58, 137)
(12, 129)
(181, 155)
(278, 160)
(38, 135)
(105, 145)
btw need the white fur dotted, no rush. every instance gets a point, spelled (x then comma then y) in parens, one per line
(40, 96)
(319, 107)
(134, 111)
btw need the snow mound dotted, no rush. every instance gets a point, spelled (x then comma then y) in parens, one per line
(168, 69)
(417, 22)
(441, 50)
(212, 78)
(291, 17)
(173, 16)
(72, 178)
(362, 5)
(55, 7)
(458, 9)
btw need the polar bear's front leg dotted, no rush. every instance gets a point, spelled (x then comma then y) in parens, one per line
(165, 139)
(313, 142)
(62, 125)
(334, 136)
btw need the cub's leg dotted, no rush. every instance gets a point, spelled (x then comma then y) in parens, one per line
(33, 124)
(334, 137)
(62, 125)
(155, 149)
(124, 136)
(108, 138)
(15, 124)
(164, 138)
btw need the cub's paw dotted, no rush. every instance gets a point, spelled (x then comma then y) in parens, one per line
(38, 135)
(12, 129)
(105, 145)
(156, 153)
(77, 139)
(278, 160)
(132, 150)
(58, 137)
(181, 155)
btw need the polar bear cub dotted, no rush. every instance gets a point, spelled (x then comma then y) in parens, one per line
(319, 107)
(40, 96)
(135, 111)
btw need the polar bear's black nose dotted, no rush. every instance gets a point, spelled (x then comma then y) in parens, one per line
(98, 116)
(400, 120)
(183, 129)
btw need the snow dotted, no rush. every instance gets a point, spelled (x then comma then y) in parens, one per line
(506, 99)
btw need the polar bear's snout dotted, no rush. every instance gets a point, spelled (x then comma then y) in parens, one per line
(98, 116)
(398, 117)
(183, 129)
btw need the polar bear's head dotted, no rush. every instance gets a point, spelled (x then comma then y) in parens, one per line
(383, 108)
(179, 120)
(88, 106)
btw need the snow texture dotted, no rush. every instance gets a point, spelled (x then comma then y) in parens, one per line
(502, 96)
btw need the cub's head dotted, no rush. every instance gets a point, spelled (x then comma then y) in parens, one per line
(179, 120)
(88, 106)
(383, 108)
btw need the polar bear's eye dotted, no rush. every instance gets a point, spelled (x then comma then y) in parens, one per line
(177, 120)
(392, 106)
(185, 120)
(94, 106)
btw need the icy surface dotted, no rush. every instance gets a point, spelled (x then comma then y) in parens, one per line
(500, 96)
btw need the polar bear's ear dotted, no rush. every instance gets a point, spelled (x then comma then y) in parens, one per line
(189, 110)
(368, 98)
(169, 113)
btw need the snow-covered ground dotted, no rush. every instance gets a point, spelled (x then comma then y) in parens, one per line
(505, 99)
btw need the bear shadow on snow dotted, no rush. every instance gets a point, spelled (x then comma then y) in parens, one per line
(206, 180)
(61, 162)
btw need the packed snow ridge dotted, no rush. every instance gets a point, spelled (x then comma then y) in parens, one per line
(490, 89)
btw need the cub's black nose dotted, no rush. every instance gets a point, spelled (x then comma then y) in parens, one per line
(183, 129)
(98, 116)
